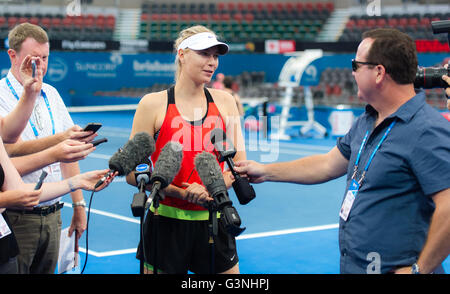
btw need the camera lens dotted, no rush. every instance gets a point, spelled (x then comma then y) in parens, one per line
(431, 77)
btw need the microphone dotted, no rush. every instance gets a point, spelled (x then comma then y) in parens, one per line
(241, 186)
(166, 168)
(211, 175)
(135, 151)
(142, 176)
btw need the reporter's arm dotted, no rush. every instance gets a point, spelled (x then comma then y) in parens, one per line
(12, 124)
(309, 170)
(66, 151)
(437, 246)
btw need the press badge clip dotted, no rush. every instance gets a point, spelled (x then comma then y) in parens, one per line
(349, 199)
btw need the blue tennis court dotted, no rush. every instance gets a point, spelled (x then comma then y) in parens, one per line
(290, 229)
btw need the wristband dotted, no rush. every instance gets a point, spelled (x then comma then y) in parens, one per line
(79, 203)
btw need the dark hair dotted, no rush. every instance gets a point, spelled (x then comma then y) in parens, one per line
(396, 51)
(228, 82)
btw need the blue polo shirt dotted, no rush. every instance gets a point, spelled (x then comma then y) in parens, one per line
(389, 219)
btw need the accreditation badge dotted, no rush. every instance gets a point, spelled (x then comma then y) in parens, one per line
(4, 229)
(349, 199)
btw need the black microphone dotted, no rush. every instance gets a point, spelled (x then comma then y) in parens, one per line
(241, 186)
(135, 151)
(142, 176)
(166, 168)
(211, 175)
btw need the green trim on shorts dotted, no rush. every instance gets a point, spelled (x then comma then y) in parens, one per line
(178, 213)
(149, 267)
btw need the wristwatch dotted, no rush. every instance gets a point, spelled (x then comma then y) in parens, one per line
(415, 270)
(79, 203)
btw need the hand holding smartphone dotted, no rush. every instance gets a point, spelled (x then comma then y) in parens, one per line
(33, 66)
(94, 127)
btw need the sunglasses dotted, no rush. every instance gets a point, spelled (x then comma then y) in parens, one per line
(355, 63)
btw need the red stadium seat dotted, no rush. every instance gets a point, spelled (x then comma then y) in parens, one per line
(251, 7)
(67, 22)
(381, 22)
(425, 22)
(3, 21)
(269, 6)
(56, 22)
(216, 17)
(350, 24)
(221, 6)
(78, 22)
(225, 17)
(392, 22)
(413, 21)
(185, 17)
(204, 17)
(249, 17)
(145, 17)
(309, 6)
(174, 17)
(371, 23)
(260, 6)
(23, 19)
(34, 20)
(290, 6)
(299, 6)
(329, 6)
(100, 21)
(238, 17)
(361, 23)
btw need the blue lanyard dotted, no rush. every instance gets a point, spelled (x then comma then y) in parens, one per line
(36, 133)
(373, 153)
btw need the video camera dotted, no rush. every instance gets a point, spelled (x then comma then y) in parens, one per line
(431, 77)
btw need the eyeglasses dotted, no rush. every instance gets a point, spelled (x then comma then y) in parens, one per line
(355, 64)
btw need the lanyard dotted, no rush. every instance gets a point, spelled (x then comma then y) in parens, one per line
(372, 155)
(46, 103)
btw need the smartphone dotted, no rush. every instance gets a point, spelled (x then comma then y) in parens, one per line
(92, 127)
(41, 180)
(99, 141)
(33, 66)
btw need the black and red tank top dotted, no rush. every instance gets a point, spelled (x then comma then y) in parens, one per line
(194, 136)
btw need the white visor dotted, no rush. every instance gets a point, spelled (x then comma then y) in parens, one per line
(203, 41)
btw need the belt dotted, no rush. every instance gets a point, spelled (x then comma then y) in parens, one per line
(42, 210)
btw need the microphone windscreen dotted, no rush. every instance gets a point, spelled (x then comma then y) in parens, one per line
(134, 152)
(168, 164)
(117, 161)
(210, 173)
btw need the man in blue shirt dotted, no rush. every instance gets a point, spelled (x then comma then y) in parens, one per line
(394, 215)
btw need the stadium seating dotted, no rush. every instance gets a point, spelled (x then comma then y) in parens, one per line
(236, 21)
(84, 27)
(416, 25)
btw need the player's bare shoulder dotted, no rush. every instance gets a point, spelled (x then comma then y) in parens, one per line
(223, 98)
(154, 101)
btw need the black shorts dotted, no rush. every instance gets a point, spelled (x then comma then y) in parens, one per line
(183, 245)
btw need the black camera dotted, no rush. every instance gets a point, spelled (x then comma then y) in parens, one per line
(431, 77)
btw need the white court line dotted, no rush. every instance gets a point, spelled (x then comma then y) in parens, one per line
(108, 214)
(288, 231)
(243, 237)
